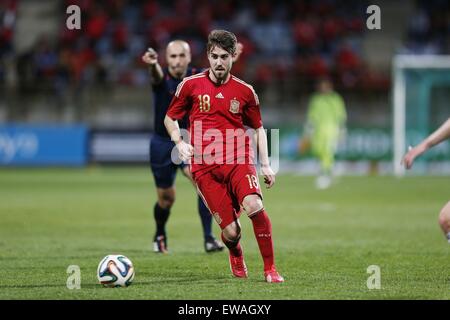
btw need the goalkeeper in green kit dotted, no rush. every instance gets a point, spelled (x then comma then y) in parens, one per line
(325, 125)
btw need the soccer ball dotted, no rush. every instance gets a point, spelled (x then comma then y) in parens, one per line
(115, 271)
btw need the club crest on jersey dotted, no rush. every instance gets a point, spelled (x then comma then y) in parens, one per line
(234, 106)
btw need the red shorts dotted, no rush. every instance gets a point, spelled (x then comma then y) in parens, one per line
(224, 188)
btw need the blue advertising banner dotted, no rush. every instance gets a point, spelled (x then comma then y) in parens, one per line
(43, 145)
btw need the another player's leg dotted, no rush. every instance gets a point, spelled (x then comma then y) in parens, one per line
(211, 243)
(161, 211)
(444, 220)
(262, 228)
(326, 163)
(325, 154)
(231, 236)
(164, 173)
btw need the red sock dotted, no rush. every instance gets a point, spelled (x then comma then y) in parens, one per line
(263, 233)
(233, 246)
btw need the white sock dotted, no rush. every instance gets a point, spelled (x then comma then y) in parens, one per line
(448, 237)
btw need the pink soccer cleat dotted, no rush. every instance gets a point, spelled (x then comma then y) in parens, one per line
(272, 276)
(238, 267)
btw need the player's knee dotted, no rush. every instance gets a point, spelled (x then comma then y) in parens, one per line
(232, 232)
(165, 204)
(166, 201)
(252, 204)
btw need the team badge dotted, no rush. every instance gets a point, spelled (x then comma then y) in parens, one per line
(217, 217)
(234, 106)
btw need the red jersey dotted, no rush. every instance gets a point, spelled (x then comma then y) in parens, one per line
(218, 116)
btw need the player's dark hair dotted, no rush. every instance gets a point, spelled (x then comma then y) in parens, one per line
(223, 39)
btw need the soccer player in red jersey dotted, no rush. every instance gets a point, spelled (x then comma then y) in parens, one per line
(164, 84)
(220, 106)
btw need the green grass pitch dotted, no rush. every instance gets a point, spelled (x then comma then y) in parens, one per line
(324, 240)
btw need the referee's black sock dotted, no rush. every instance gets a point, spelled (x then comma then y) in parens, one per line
(206, 219)
(161, 215)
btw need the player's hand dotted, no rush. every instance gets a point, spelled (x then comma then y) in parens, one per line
(269, 176)
(409, 157)
(185, 150)
(304, 145)
(150, 57)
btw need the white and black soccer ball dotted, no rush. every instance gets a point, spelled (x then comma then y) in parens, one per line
(115, 271)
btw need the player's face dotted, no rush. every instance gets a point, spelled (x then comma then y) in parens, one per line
(178, 57)
(220, 62)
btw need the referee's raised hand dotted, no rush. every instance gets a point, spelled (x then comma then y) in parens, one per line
(150, 57)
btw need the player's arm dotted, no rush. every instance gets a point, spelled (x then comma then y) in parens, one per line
(342, 117)
(266, 170)
(252, 118)
(308, 126)
(442, 133)
(341, 111)
(177, 110)
(155, 70)
(185, 149)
